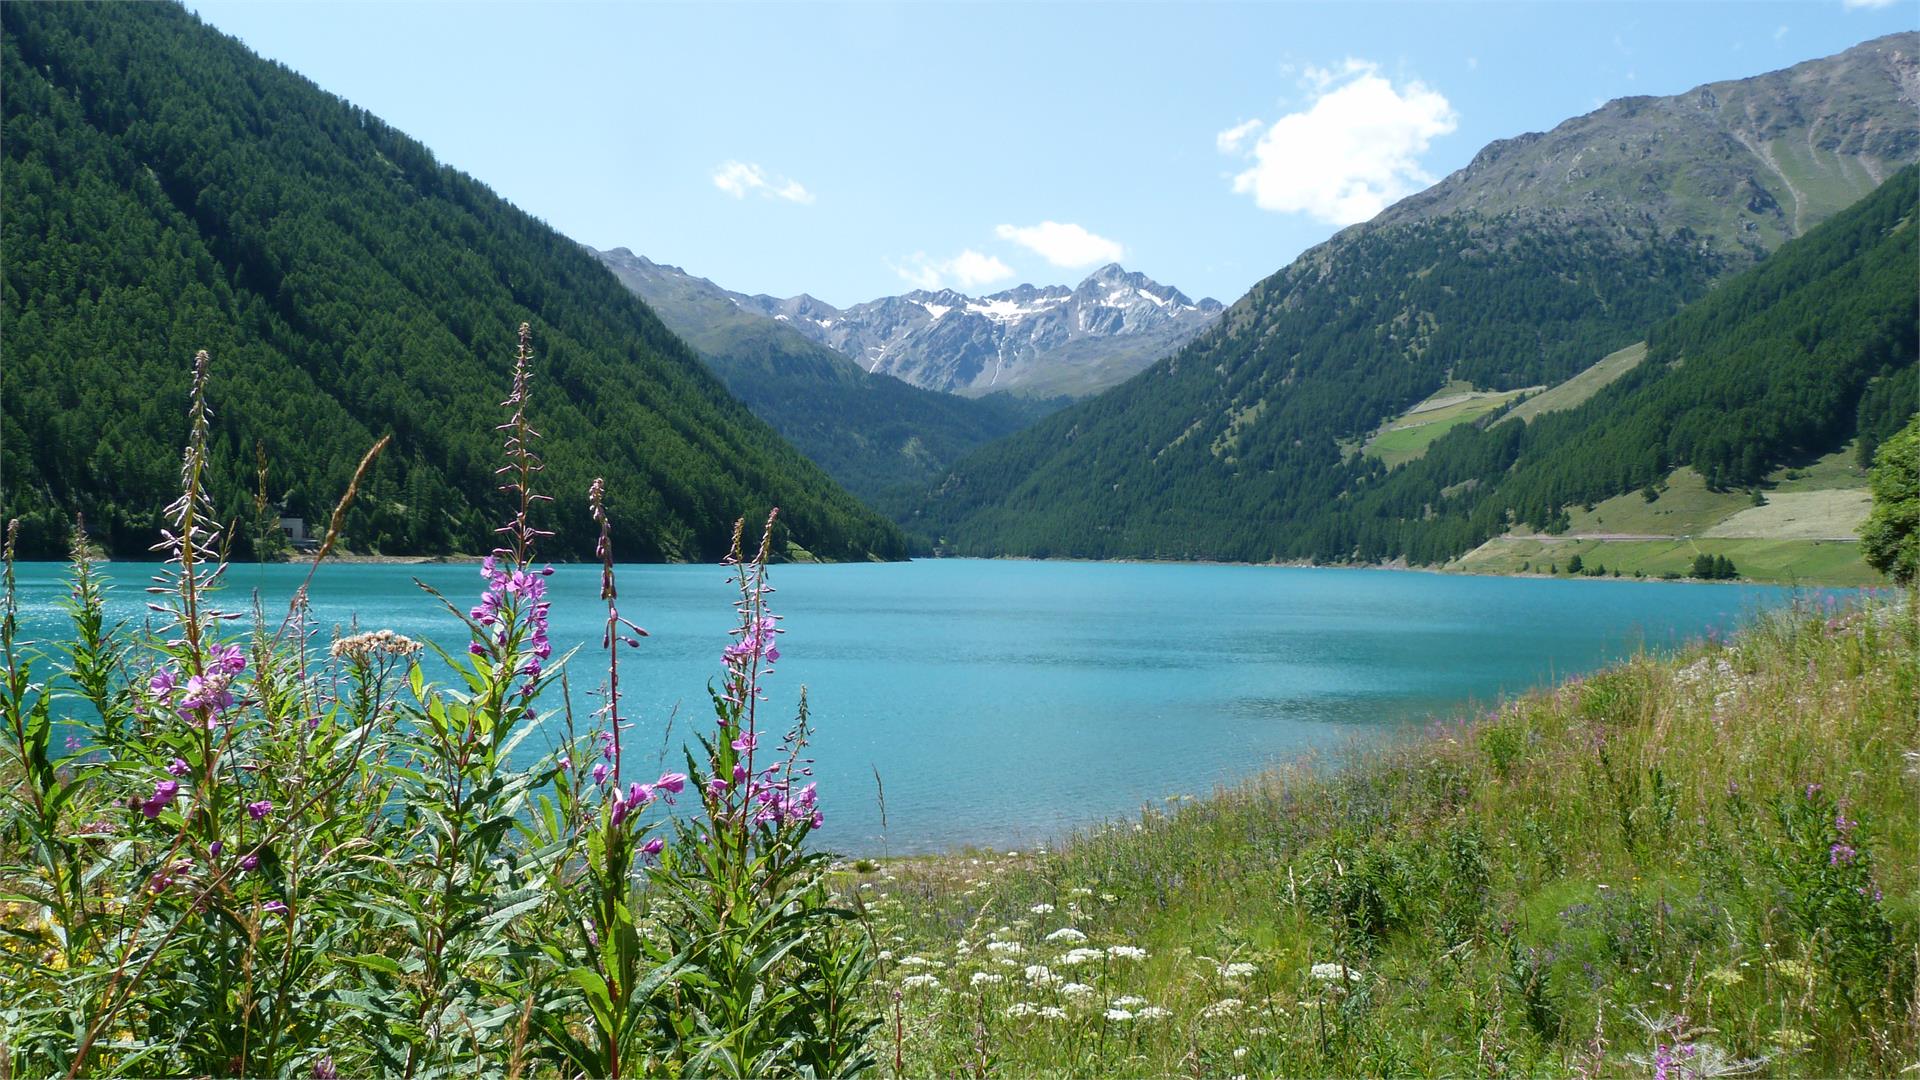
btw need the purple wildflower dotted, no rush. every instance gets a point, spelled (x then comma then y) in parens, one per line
(179, 767)
(259, 810)
(250, 862)
(164, 792)
(673, 782)
(653, 846)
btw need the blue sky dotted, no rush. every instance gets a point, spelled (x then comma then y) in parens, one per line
(853, 151)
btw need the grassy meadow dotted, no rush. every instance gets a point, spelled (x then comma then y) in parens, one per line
(1406, 437)
(1782, 562)
(1694, 866)
(1582, 386)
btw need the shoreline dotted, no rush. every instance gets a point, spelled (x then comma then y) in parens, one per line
(1287, 564)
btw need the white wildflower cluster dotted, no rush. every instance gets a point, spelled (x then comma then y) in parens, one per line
(1006, 948)
(1076, 957)
(1041, 909)
(986, 978)
(917, 961)
(920, 982)
(1330, 972)
(376, 643)
(1066, 933)
(1153, 1012)
(1076, 990)
(1223, 1008)
(1239, 969)
(1126, 952)
(1041, 975)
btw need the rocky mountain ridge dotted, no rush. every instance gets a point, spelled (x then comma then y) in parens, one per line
(1033, 340)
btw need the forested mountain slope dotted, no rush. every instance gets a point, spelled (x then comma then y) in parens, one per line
(1791, 360)
(873, 433)
(166, 190)
(1238, 446)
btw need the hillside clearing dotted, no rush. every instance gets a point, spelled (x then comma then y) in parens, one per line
(1406, 437)
(1568, 394)
(1791, 515)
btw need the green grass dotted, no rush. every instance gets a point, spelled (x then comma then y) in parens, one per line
(1829, 182)
(1406, 437)
(1783, 562)
(1685, 508)
(1789, 515)
(1834, 472)
(1582, 386)
(1547, 890)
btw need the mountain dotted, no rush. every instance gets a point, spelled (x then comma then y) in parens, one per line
(873, 433)
(1045, 342)
(1810, 350)
(166, 190)
(1544, 255)
(1749, 163)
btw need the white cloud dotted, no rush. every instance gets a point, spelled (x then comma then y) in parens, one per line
(1855, 5)
(964, 271)
(1231, 140)
(1780, 32)
(1062, 244)
(737, 178)
(1351, 152)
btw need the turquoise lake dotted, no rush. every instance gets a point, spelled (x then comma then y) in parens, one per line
(1006, 703)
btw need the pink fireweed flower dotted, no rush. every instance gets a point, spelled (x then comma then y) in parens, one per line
(600, 772)
(746, 742)
(653, 847)
(164, 792)
(179, 767)
(1840, 853)
(230, 660)
(162, 682)
(206, 695)
(673, 782)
